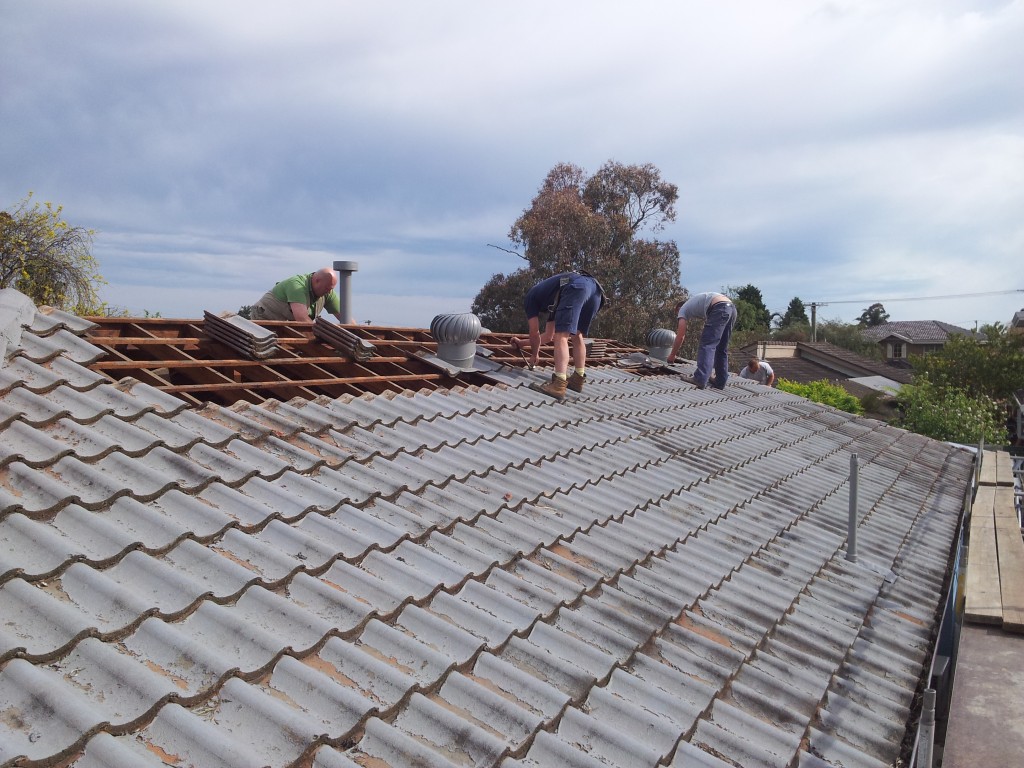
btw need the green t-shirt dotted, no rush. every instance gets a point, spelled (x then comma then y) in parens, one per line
(299, 290)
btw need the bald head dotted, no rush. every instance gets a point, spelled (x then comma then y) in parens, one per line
(323, 281)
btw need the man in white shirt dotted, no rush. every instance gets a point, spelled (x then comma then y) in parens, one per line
(759, 371)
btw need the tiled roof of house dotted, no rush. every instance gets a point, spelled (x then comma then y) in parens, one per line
(918, 331)
(805, 361)
(647, 574)
(863, 365)
(183, 358)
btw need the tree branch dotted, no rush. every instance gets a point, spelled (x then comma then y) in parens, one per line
(506, 250)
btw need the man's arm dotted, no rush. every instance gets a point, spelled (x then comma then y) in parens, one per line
(680, 336)
(536, 339)
(300, 312)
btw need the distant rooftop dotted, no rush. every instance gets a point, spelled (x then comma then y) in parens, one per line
(919, 331)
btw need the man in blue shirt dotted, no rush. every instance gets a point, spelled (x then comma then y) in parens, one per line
(571, 299)
(719, 315)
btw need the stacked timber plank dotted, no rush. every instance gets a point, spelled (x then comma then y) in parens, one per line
(244, 336)
(994, 592)
(343, 340)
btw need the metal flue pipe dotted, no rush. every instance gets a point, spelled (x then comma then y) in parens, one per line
(851, 536)
(345, 270)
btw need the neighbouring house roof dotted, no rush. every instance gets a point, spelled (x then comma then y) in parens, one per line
(1018, 319)
(919, 331)
(805, 361)
(647, 574)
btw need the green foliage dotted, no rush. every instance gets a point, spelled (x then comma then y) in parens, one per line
(873, 315)
(825, 393)
(499, 305)
(950, 413)
(49, 260)
(592, 223)
(751, 312)
(848, 337)
(245, 311)
(994, 369)
(793, 332)
(994, 331)
(796, 314)
(742, 338)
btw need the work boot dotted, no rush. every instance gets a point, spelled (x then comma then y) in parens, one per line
(691, 380)
(555, 387)
(576, 381)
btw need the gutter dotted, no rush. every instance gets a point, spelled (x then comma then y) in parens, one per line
(937, 693)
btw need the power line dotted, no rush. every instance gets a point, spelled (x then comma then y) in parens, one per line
(919, 298)
(815, 304)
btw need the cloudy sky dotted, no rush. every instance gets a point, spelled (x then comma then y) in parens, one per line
(843, 152)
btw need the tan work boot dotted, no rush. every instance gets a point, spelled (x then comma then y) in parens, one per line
(576, 381)
(555, 387)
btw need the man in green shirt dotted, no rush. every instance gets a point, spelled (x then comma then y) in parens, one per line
(300, 297)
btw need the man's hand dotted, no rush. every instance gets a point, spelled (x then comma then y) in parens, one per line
(518, 346)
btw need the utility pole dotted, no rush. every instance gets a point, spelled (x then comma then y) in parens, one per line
(814, 318)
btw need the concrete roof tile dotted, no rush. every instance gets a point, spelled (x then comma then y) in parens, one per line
(61, 342)
(744, 739)
(625, 744)
(332, 580)
(20, 371)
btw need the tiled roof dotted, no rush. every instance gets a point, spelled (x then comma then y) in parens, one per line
(186, 359)
(807, 361)
(918, 331)
(647, 574)
(861, 365)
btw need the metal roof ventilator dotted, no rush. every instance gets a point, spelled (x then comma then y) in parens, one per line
(456, 336)
(659, 343)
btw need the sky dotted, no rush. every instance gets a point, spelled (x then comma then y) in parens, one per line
(842, 152)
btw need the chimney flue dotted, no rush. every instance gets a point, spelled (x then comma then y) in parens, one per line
(345, 270)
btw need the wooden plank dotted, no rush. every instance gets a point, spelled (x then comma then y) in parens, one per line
(982, 596)
(989, 463)
(1004, 469)
(1011, 570)
(418, 377)
(1003, 506)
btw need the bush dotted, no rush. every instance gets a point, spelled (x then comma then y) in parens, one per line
(994, 369)
(823, 392)
(950, 413)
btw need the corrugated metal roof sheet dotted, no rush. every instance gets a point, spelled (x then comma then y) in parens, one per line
(647, 574)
